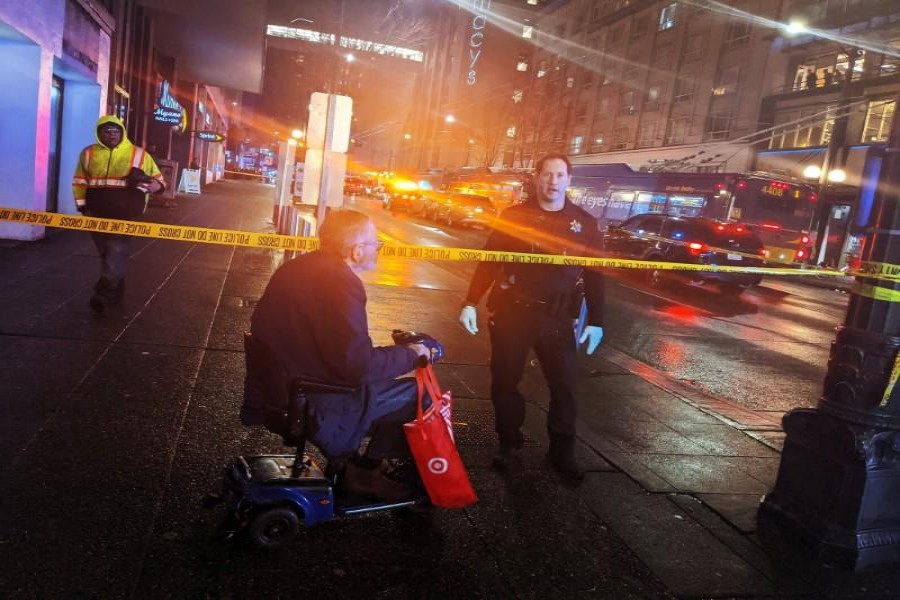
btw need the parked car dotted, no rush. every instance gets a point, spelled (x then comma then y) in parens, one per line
(694, 240)
(463, 209)
(354, 185)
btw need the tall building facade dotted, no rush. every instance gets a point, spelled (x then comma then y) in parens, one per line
(829, 111)
(469, 97)
(656, 84)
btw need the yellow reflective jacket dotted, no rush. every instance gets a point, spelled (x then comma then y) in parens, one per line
(101, 182)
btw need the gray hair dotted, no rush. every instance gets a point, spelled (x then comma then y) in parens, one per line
(342, 228)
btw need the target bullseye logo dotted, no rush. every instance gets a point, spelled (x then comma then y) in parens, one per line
(438, 466)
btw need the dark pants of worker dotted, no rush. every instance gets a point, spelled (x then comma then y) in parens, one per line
(337, 423)
(515, 331)
(114, 251)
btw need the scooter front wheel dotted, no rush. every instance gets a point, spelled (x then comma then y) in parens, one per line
(275, 527)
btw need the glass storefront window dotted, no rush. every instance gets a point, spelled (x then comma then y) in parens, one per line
(879, 115)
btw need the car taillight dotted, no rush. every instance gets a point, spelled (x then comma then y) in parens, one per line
(800, 255)
(695, 247)
(804, 239)
(764, 253)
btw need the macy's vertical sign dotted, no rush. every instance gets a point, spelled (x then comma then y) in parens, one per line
(480, 9)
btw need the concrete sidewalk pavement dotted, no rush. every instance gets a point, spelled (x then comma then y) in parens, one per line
(113, 428)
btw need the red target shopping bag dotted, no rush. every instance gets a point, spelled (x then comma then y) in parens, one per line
(430, 439)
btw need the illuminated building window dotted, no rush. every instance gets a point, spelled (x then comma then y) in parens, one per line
(879, 115)
(517, 96)
(575, 144)
(802, 128)
(570, 82)
(597, 142)
(726, 80)
(511, 132)
(527, 31)
(522, 65)
(532, 2)
(667, 17)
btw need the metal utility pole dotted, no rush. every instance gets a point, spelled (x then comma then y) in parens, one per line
(838, 484)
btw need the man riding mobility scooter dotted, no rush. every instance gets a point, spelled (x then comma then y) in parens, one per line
(272, 496)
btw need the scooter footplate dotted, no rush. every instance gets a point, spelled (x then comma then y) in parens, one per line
(278, 467)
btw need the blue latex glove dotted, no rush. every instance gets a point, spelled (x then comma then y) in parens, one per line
(592, 335)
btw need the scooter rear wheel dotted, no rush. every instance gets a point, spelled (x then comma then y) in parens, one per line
(275, 527)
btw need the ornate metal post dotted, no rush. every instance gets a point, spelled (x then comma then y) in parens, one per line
(838, 484)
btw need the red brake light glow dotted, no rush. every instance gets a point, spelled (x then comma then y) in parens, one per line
(696, 247)
(772, 226)
(804, 239)
(742, 185)
(801, 253)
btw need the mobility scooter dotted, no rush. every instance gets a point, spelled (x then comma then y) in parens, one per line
(272, 497)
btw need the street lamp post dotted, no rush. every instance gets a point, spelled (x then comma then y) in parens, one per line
(838, 484)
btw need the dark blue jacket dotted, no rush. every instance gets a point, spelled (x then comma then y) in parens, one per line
(313, 314)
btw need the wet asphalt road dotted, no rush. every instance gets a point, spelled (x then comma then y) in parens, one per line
(765, 350)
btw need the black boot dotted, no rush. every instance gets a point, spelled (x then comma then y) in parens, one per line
(118, 292)
(562, 457)
(508, 457)
(102, 296)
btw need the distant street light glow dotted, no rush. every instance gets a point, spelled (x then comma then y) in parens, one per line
(297, 134)
(407, 136)
(350, 57)
(450, 119)
(795, 27)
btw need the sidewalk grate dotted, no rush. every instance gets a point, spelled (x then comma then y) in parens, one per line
(475, 427)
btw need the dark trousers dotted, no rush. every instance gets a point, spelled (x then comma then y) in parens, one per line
(114, 251)
(337, 423)
(515, 331)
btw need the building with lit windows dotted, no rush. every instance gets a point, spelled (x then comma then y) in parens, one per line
(831, 109)
(656, 84)
(468, 102)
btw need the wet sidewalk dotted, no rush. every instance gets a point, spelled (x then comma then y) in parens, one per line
(113, 429)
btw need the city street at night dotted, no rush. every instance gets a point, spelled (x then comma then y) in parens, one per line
(645, 247)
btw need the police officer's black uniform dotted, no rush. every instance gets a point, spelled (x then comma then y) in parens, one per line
(532, 306)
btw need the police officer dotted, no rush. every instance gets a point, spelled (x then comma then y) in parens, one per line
(532, 306)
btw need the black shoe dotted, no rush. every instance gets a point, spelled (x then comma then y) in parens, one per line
(98, 303)
(562, 457)
(566, 466)
(371, 483)
(507, 459)
(118, 293)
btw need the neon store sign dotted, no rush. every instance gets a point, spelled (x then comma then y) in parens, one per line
(168, 110)
(476, 39)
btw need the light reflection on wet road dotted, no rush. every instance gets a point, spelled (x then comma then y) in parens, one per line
(766, 349)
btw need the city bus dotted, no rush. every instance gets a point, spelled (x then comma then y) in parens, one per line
(778, 211)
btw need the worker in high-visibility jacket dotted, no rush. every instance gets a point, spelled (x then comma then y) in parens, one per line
(113, 179)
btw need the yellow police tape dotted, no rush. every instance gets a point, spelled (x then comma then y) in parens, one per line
(273, 241)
